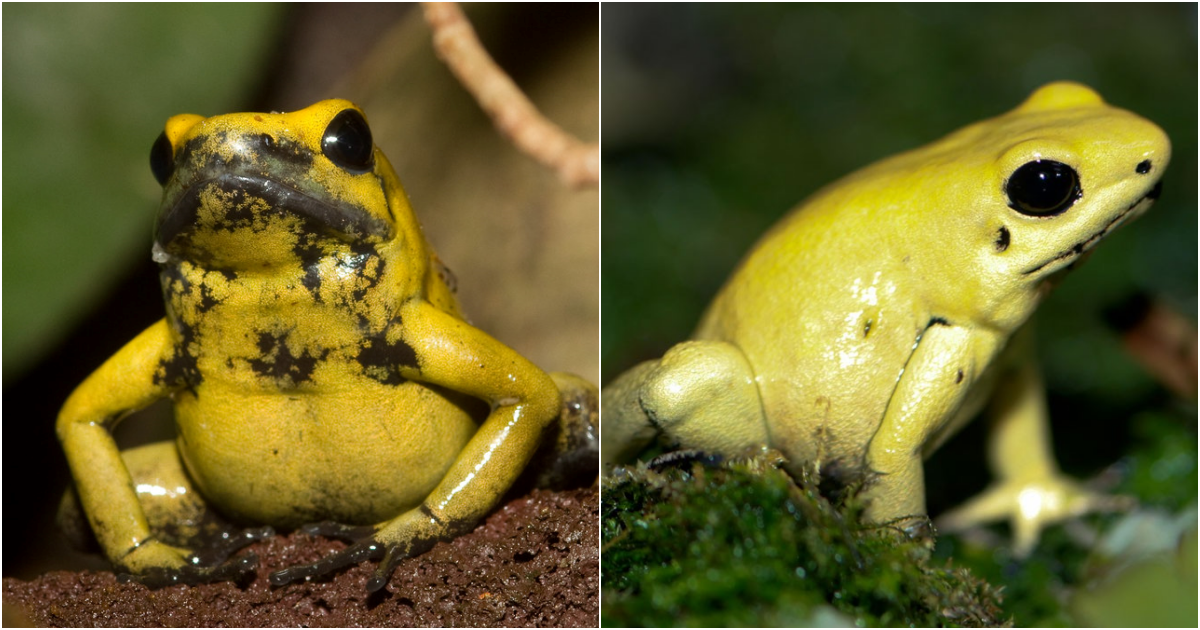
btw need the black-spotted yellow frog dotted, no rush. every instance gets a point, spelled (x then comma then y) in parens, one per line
(883, 313)
(319, 364)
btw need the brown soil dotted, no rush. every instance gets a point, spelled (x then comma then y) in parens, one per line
(534, 562)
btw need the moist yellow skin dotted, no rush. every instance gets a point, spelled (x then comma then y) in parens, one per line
(889, 309)
(319, 363)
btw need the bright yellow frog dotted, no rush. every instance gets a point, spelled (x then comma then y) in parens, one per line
(320, 366)
(880, 316)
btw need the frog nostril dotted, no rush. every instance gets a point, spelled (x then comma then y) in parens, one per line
(1143, 167)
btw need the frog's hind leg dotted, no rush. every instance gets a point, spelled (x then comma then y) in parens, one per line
(175, 512)
(570, 453)
(701, 395)
(173, 508)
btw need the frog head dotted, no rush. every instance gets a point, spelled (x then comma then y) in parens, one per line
(995, 213)
(298, 205)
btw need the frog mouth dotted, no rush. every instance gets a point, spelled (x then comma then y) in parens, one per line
(1082, 247)
(349, 223)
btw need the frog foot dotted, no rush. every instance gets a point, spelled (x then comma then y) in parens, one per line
(1030, 506)
(168, 566)
(412, 534)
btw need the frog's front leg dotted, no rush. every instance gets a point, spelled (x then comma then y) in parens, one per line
(1029, 491)
(123, 384)
(524, 401)
(701, 395)
(933, 384)
(177, 516)
(129, 380)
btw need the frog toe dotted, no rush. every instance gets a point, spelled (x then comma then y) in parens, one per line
(370, 548)
(1030, 507)
(236, 570)
(338, 531)
(364, 547)
(158, 565)
(227, 543)
(357, 553)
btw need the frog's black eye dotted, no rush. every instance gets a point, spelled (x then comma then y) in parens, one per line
(162, 159)
(347, 142)
(1042, 188)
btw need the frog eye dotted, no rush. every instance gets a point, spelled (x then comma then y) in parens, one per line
(162, 159)
(1042, 188)
(347, 142)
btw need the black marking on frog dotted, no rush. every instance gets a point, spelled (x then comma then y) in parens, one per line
(311, 251)
(181, 368)
(312, 280)
(382, 361)
(249, 197)
(277, 362)
(248, 150)
(1002, 239)
(358, 270)
(364, 253)
(206, 300)
(181, 292)
(271, 149)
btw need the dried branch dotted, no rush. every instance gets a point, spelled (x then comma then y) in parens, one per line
(577, 163)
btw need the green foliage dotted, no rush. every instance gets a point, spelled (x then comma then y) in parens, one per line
(745, 544)
(87, 88)
(1162, 465)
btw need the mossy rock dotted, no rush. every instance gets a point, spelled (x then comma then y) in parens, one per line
(742, 543)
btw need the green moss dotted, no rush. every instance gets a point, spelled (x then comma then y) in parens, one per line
(745, 544)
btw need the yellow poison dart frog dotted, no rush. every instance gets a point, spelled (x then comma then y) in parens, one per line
(319, 364)
(882, 314)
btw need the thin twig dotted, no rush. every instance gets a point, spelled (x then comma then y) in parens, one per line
(577, 163)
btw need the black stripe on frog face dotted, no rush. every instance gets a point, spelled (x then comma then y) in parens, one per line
(350, 223)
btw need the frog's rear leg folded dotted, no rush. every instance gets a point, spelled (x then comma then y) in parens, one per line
(701, 395)
(177, 517)
(569, 456)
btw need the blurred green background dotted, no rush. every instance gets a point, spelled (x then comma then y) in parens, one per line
(718, 119)
(81, 107)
